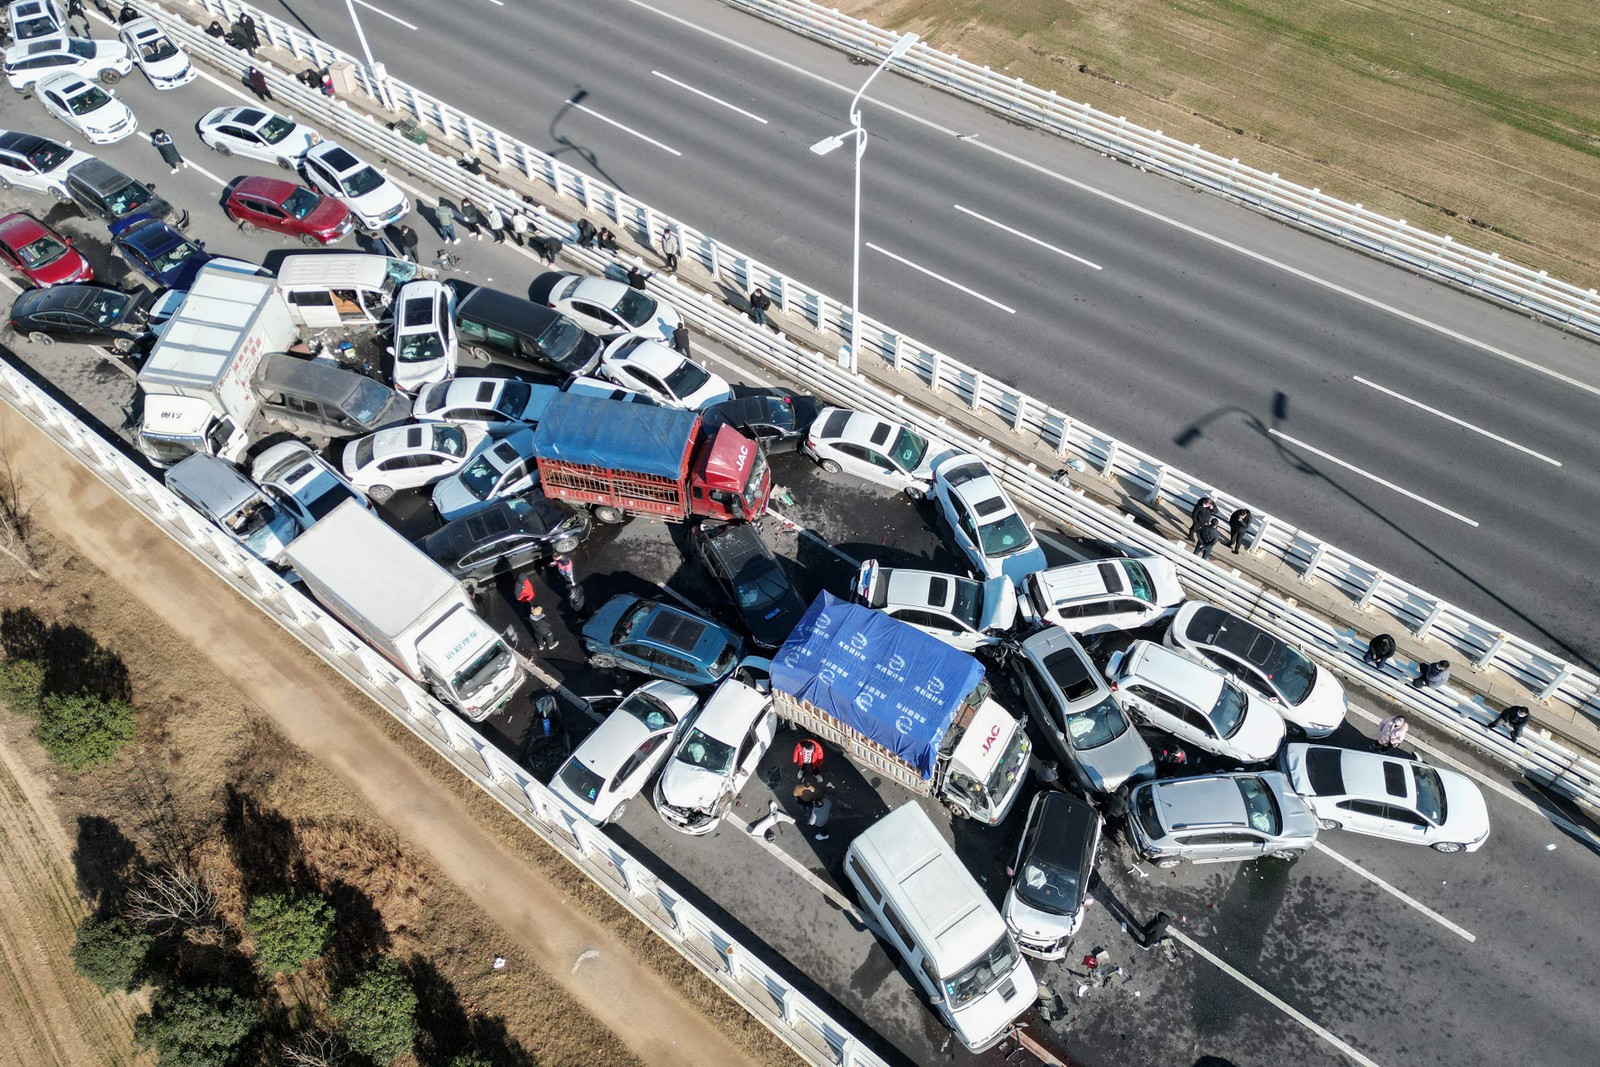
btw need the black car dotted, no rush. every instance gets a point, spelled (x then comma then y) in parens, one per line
(501, 328)
(508, 535)
(87, 314)
(104, 192)
(779, 420)
(751, 577)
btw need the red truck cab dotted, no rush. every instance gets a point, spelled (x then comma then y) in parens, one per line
(730, 481)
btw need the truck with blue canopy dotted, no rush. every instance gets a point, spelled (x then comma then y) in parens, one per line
(904, 704)
(620, 459)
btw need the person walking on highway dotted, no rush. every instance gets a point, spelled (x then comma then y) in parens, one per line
(1238, 526)
(1204, 508)
(1391, 732)
(471, 217)
(521, 228)
(670, 247)
(1431, 675)
(543, 635)
(680, 340)
(1515, 717)
(1379, 649)
(169, 151)
(444, 219)
(258, 83)
(495, 222)
(1208, 537)
(759, 303)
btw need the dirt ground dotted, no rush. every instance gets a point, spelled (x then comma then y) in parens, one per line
(1474, 119)
(256, 758)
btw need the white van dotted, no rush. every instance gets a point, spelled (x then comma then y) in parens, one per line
(930, 908)
(342, 288)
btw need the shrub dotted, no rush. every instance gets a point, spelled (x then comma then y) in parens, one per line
(21, 682)
(110, 952)
(197, 1026)
(81, 730)
(377, 1012)
(470, 1059)
(289, 929)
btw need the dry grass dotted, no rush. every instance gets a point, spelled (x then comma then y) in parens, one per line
(1476, 119)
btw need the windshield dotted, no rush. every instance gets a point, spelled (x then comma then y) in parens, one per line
(1009, 769)
(481, 671)
(635, 308)
(1004, 538)
(1139, 581)
(1291, 672)
(706, 752)
(48, 156)
(1430, 794)
(86, 102)
(687, 379)
(449, 440)
(632, 620)
(301, 203)
(41, 250)
(361, 182)
(1259, 806)
(514, 397)
(1228, 715)
(652, 712)
(560, 339)
(584, 783)
(174, 257)
(752, 488)
(128, 199)
(761, 586)
(1096, 726)
(367, 401)
(164, 448)
(908, 449)
(969, 600)
(1048, 887)
(480, 477)
(419, 348)
(156, 50)
(983, 975)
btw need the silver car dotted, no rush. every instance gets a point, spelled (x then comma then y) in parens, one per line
(1218, 818)
(1086, 728)
(501, 468)
(220, 491)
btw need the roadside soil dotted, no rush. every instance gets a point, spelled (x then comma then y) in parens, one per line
(261, 757)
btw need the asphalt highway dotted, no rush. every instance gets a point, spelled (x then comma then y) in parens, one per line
(1443, 439)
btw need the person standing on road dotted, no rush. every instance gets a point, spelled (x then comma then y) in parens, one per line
(680, 340)
(258, 83)
(1431, 675)
(1204, 508)
(406, 238)
(495, 222)
(670, 247)
(759, 303)
(444, 218)
(1238, 526)
(78, 22)
(544, 636)
(470, 217)
(808, 758)
(521, 228)
(1379, 649)
(169, 151)
(1208, 538)
(1391, 732)
(1515, 717)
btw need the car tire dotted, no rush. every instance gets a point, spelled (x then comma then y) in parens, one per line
(39, 337)
(310, 240)
(602, 662)
(221, 149)
(122, 346)
(616, 816)
(565, 546)
(830, 465)
(480, 353)
(1168, 863)
(1288, 855)
(1449, 848)
(609, 515)
(286, 164)
(380, 494)
(110, 77)
(914, 494)
(1329, 824)
(249, 229)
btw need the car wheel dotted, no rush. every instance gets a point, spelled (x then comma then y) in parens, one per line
(602, 662)
(565, 546)
(914, 494)
(1329, 824)
(830, 465)
(1168, 863)
(110, 77)
(6, 185)
(249, 229)
(39, 337)
(286, 164)
(122, 346)
(380, 494)
(616, 816)
(480, 353)
(1287, 854)
(310, 240)
(221, 149)
(609, 515)
(1449, 848)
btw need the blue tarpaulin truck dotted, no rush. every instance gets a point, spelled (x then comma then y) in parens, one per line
(903, 704)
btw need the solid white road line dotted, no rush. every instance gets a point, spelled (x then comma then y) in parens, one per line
(942, 278)
(1065, 546)
(385, 14)
(625, 129)
(1404, 898)
(1028, 237)
(708, 96)
(1373, 477)
(1251, 984)
(1459, 422)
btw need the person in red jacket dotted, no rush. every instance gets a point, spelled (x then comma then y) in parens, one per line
(808, 758)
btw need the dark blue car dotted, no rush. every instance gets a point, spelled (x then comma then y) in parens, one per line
(160, 252)
(661, 641)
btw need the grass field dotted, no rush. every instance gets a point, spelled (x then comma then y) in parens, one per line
(1480, 120)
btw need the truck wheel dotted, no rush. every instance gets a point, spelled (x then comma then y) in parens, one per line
(831, 466)
(110, 77)
(40, 338)
(609, 515)
(380, 494)
(248, 228)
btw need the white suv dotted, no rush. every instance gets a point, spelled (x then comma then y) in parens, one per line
(1103, 595)
(374, 200)
(29, 61)
(28, 161)
(1194, 702)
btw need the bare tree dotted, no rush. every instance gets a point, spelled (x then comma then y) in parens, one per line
(315, 1048)
(176, 895)
(16, 518)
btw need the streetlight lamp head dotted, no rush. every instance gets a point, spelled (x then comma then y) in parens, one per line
(827, 144)
(903, 45)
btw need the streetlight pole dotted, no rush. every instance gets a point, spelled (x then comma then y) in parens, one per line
(375, 72)
(822, 148)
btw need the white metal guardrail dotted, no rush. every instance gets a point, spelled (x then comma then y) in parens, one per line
(739, 972)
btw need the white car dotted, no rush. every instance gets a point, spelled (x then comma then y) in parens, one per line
(425, 338)
(302, 481)
(163, 62)
(29, 61)
(583, 385)
(606, 307)
(256, 133)
(987, 527)
(1103, 595)
(28, 161)
(1306, 695)
(409, 457)
(616, 762)
(497, 404)
(716, 757)
(1382, 795)
(374, 200)
(874, 449)
(28, 19)
(499, 468)
(86, 107)
(960, 612)
(1194, 703)
(661, 373)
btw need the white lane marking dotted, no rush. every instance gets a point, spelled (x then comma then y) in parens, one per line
(195, 166)
(839, 899)
(1157, 216)
(1368, 474)
(1028, 237)
(749, 375)
(386, 15)
(1403, 897)
(708, 96)
(626, 129)
(1249, 983)
(942, 278)
(1050, 537)
(498, 3)
(1459, 422)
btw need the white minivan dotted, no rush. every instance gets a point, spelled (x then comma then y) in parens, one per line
(930, 908)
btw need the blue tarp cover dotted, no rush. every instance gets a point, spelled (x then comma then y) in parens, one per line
(609, 433)
(890, 681)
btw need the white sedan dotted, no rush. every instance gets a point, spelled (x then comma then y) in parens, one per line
(659, 372)
(374, 200)
(86, 107)
(1383, 795)
(497, 404)
(613, 764)
(716, 757)
(873, 449)
(302, 481)
(256, 133)
(163, 62)
(987, 527)
(41, 57)
(960, 612)
(425, 341)
(606, 307)
(409, 457)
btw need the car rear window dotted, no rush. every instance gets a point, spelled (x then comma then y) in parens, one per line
(1325, 769)
(1069, 671)
(583, 782)
(835, 424)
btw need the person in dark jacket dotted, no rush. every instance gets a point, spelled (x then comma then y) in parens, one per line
(1431, 675)
(169, 151)
(637, 279)
(248, 25)
(258, 83)
(586, 233)
(215, 29)
(406, 239)
(245, 35)
(471, 217)
(311, 78)
(127, 14)
(606, 240)
(1208, 537)
(1238, 526)
(1379, 649)
(680, 340)
(1515, 717)
(548, 247)
(759, 303)
(543, 635)
(1204, 508)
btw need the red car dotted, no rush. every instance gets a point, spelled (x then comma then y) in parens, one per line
(287, 208)
(43, 256)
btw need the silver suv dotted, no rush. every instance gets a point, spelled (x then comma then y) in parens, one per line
(1216, 818)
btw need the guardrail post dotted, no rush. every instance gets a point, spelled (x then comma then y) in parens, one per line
(1365, 603)
(936, 372)
(1317, 555)
(1562, 677)
(1486, 661)
(1110, 469)
(1431, 621)
(1259, 541)
(1154, 496)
